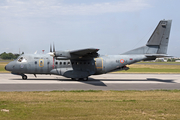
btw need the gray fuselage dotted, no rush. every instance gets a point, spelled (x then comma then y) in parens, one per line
(44, 64)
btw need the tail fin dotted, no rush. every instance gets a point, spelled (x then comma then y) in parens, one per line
(158, 42)
(160, 36)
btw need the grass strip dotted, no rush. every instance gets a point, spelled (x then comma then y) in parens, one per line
(152, 68)
(55, 105)
(160, 62)
(2, 65)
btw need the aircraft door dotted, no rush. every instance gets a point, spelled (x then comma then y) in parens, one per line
(99, 65)
(42, 66)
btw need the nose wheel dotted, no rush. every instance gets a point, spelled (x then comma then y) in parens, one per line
(24, 77)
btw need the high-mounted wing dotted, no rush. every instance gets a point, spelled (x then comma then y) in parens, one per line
(84, 52)
(76, 54)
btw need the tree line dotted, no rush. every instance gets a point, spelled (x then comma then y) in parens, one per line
(8, 56)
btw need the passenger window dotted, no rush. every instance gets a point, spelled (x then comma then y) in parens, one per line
(68, 63)
(48, 63)
(56, 63)
(64, 63)
(35, 62)
(60, 63)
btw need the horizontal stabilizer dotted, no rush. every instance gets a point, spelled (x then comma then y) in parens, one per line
(157, 55)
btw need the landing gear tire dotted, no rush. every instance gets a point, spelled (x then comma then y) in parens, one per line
(24, 77)
(75, 79)
(85, 79)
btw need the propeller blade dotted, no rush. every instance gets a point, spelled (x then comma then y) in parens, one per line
(52, 51)
(53, 48)
(50, 48)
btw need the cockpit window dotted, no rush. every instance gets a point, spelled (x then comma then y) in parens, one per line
(22, 59)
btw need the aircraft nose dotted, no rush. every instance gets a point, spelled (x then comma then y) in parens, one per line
(9, 66)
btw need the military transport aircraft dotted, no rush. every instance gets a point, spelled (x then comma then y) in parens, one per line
(80, 64)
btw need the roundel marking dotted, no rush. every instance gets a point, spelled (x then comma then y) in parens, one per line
(121, 61)
(21, 66)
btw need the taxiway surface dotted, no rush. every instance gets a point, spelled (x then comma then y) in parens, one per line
(9, 82)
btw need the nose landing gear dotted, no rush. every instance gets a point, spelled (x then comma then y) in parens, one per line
(24, 77)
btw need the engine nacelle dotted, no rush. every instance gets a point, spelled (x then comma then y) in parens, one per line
(62, 54)
(62, 58)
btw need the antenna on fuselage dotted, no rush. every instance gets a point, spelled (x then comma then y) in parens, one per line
(35, 52)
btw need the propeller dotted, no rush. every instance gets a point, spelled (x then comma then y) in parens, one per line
(53, 48)
(52, 53)
(50, 48)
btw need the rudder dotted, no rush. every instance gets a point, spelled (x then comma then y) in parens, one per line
(158, 42)
(160, 36)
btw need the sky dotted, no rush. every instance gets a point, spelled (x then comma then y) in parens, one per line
(113, 26)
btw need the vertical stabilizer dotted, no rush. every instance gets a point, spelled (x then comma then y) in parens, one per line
(160, 36)
(158, 42)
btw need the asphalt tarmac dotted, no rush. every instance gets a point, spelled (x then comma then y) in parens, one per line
(9, 82)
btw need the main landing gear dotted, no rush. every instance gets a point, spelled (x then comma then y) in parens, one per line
(77, 79)
(24, 77)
